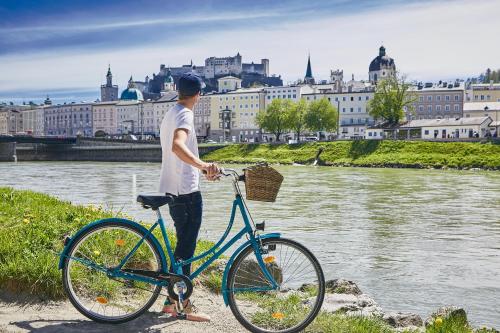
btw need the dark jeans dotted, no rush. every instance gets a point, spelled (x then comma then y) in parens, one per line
(186, 211)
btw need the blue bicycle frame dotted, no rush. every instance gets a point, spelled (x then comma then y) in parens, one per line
(253, 240)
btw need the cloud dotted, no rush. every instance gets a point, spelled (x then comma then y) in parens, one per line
(428, 41)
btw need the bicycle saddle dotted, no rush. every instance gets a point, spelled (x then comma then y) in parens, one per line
(154, 201)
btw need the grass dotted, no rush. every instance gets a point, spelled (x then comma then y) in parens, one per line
(32, 229)
(368, 153)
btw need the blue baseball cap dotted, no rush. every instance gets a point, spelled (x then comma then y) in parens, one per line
(190, 84)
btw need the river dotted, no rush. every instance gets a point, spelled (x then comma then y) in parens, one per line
(413, 239)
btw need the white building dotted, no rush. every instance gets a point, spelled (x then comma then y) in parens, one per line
(461, 128)
(228, 83)
(161, 106)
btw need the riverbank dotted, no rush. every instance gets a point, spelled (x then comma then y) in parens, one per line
(367, 153)
(32, 226)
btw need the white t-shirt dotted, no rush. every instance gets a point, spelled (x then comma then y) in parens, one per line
(176, 176)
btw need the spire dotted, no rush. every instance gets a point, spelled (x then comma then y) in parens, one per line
(131, 83)
(109, 77)
(109, 70)
(309, 77)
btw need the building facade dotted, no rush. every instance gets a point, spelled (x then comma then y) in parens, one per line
(450, 128)
(482, 109)
(484, 92)
(438, 101)
(233, 115)
(201, 112)
(104, 118)
(109, 91)
(68, 120)
(228, 83)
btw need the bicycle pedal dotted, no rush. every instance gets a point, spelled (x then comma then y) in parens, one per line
(181, 316)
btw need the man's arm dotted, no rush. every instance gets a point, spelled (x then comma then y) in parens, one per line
(180, 149)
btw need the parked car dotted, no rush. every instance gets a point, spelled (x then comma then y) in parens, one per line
(210, 141)
(311, 138)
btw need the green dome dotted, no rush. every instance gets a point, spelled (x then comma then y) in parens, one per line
(132, 94)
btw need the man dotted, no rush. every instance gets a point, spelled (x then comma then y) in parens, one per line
(180, 173)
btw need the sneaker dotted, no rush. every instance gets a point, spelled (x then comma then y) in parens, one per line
(189, 310)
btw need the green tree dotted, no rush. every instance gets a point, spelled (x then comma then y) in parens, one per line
(321, 116)
(274, 119)
(392, 97)
(296, 115)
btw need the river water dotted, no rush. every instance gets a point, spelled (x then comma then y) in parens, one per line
(413, 239)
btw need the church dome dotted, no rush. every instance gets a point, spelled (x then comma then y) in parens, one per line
(132, 93)
(382, 61)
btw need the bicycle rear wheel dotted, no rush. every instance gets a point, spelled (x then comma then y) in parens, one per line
(95, 294)
(289, 308)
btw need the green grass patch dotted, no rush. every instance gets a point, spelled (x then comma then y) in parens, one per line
(368, 153)
(32, 229)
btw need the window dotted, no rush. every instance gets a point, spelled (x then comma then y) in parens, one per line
(447, 108)
(421, 98)
(438, 108)
(421, 108)
(369, 133)
(456, 107)
(359, 98)
(429, 108)
(352, 98)
(438, 98)
(429, 98)
(294, 96)
(367, 98)
(352, 109)
(343, 109)
(447, 97)
(359, 109)
(344, 99)
(457, 97)
(426, 132)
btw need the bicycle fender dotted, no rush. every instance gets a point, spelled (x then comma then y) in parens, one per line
(68, 245)
(235, 254)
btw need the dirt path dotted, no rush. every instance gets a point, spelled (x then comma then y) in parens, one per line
(20, 316)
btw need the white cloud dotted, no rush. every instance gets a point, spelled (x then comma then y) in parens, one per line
(428, 41)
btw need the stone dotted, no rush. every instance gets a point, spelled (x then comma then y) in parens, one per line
(342, 286)
(250, 274)
(399, 319)
(447, 312)
(350, 304)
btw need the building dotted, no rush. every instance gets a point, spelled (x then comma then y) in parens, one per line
(292, 93)
(216, 67)
(228, 83)
(450, 128)
(437, 101)
(233, 115)
(104, 118)
(482, 109)
(201, 112)
(381, 67)
(130, 112)
(11, 121)
(308, 78)
(70, 120)
(484, 92)
(109, 92)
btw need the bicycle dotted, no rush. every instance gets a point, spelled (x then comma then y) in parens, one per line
(113, 270)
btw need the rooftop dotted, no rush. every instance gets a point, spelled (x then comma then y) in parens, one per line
(480, 106)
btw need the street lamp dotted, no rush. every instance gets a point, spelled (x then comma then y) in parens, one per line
(226, 117)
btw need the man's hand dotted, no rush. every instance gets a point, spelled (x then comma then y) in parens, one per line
(211, 171)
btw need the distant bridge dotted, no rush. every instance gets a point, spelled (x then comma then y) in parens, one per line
(34, 139)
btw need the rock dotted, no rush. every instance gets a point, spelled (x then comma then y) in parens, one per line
(250, 274)
(351, 304)
(342, 286)
(400, 319)
(447, 312)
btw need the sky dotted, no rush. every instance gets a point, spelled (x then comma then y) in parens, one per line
(63, 48)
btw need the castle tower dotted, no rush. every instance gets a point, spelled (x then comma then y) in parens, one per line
(109, 92)
(309, 79)
(337, 78)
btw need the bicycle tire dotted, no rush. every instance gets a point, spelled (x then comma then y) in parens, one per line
(232, 276)
(66, 283)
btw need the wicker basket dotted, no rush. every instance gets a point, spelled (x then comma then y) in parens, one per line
(262, 183)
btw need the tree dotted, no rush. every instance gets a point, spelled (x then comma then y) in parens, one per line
(274, 119)
(295, 119)
(392, 97)
(321, 116)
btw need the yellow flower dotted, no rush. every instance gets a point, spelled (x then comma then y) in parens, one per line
(278, 315)
(119, 242)
(101, 300)
(269, 260)
(26, 221)
(438, 321)
(97, 252)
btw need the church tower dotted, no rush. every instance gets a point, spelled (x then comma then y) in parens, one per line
(109, 92)
(309, 79)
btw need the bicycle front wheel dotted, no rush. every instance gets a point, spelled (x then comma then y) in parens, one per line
(289, 308)
(86, 281)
